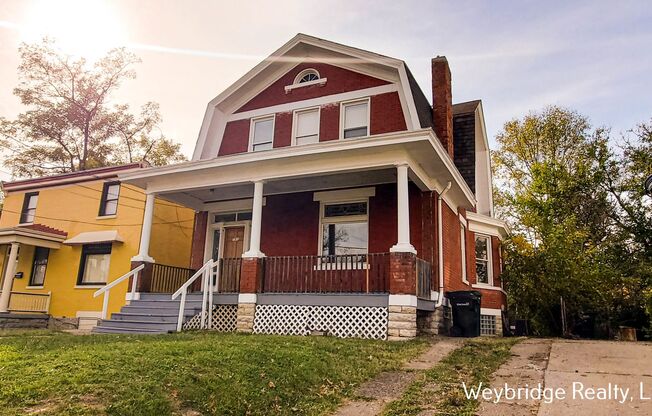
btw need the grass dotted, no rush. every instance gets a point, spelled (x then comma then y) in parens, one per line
(188, 373)
(440, 388)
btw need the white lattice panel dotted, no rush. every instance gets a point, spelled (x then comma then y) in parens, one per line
(339, 321)
(224, 319)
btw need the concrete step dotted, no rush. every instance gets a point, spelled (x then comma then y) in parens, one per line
(168, 317)
(115, 330)
(168, 296)
(164, 303)
(139, 324)
(161, 310)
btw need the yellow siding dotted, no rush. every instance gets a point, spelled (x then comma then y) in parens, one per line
(74, 209)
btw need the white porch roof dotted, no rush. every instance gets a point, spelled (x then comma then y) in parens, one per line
(91, 237)
(29, 236)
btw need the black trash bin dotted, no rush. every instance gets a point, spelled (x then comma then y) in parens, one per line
(466, 313)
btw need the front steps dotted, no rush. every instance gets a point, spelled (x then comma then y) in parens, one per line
(153, 313)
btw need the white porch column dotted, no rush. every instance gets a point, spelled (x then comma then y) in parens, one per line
(146, 233)
(256, 222)
(9, 278)
(403, 244)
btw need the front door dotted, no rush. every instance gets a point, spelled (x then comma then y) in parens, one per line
(231, 259)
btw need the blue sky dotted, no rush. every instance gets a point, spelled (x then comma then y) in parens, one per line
(593, 56)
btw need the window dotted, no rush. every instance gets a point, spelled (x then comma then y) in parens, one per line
(262, 134)
(355, 119)
(109, 201)
(39, 266)
(306, 126)
(345, 229)
(482, 259)
(94, 265)
(463, 249)
(28, 212)
(307, 75)
(234, 216)
(487, 325)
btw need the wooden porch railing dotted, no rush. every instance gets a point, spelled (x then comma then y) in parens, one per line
(29, 302)
(229, 272)
(424, 278)
(167, 279)
(354, 273)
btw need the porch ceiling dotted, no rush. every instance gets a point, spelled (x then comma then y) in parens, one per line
(328, 165)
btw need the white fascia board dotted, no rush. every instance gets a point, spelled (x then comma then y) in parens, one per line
(411, 117)
(344, 194)
(483, 224)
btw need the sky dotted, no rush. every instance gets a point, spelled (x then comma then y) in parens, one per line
(518, 56)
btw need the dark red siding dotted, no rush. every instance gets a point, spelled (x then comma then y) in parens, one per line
(386, 114)
(329, 123)
(283, 129)
(236, 138)
(339, 80)
(198, 240)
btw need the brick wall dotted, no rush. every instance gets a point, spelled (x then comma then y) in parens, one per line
(339, 80)
(329, 122)
(236, 138)
(402, 274)
(386, 113)
(283, 129)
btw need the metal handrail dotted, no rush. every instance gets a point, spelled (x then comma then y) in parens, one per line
(204, 272)
(106, 290)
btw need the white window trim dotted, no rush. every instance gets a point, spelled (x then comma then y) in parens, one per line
(296, 84)
(340, 220)
(252, 124)
(305, 72)
(490, 271)
(344, 104)
(295, 115)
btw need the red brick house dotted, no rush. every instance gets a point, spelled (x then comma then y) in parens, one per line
(330, 196)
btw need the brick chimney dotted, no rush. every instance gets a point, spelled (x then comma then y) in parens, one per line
(442, 102)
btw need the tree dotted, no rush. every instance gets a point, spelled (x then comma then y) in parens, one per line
(551, 168)
(70, 123)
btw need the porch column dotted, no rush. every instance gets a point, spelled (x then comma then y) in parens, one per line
(9, 277)
(403, 244)
(146, 232)
(256, 222)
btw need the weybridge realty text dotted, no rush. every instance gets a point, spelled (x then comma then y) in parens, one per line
(577, 391)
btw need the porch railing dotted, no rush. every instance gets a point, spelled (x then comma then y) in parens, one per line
(351, 273)
(228, 270)
(424, 279)
(167, 279)
(106, 290)
(29, 302)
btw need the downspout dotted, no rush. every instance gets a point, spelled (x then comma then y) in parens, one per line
(440, 245)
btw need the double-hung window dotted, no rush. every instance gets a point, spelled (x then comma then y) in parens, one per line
(345, 228)
(355, 119)
(483, 259)
(109, 201)
(262, 133)
(94, 264)
(28, 213)
(39, 266)
(306, 126)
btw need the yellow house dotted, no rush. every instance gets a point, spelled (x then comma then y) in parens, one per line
(64, 236)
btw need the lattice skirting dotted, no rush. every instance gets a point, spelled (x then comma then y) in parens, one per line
(224, 319)
(339, 321)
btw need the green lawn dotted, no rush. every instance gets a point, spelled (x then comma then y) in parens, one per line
(440, 388)
(189, 373)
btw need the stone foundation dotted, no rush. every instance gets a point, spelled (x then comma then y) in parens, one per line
(245, 317)
(402, 324)
(61, 324)
(437, 322)
(26, 321)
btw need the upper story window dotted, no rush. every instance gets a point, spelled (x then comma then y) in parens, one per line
(109, 201)
(355, 119)
(262, 133)
(483, 259)
(28, 213)
(307, 75)
(306, 126)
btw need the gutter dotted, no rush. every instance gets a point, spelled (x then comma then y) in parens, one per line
(440, 248)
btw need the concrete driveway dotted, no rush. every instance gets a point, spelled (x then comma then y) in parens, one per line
(620, 374)
(582, 378)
